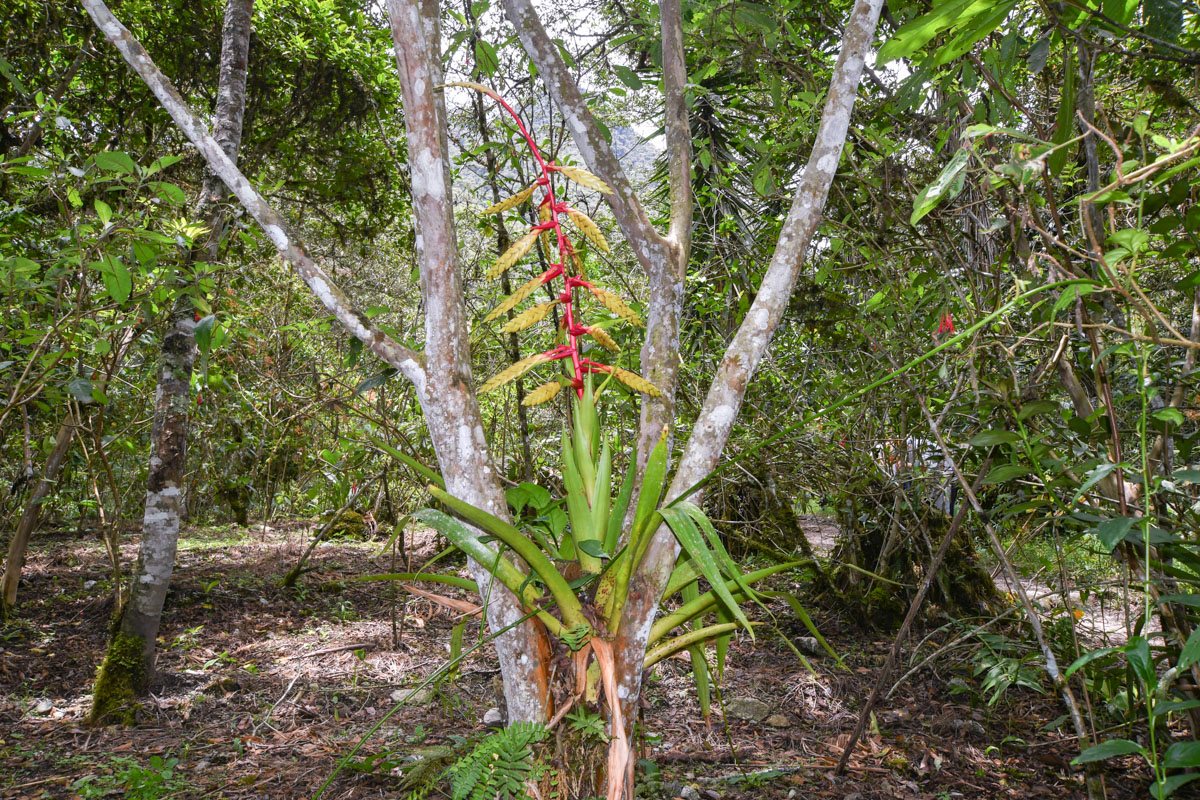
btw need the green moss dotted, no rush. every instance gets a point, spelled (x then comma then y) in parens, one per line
(121, 678)
(349, 526)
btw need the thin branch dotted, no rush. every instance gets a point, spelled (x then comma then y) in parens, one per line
(407, 361)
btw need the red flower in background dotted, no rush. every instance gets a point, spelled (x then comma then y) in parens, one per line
(947, 325)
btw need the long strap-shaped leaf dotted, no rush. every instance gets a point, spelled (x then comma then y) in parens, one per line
(673, 646)
(413, 577)
(730, 567)
(692, 540)
(568, 603)
(466, 540)
(705, 602)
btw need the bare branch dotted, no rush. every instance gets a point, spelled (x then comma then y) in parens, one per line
(392, 352)
(749, 344)
(679, 134)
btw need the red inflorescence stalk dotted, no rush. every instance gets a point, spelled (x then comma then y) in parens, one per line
(565, 251)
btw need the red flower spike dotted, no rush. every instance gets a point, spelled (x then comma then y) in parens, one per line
(947, 325)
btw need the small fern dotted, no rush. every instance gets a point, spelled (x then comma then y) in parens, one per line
(499, 766)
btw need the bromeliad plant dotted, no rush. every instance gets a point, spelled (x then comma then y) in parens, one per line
(578, 577)
(568, 266)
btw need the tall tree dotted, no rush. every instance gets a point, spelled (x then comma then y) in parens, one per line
(129, 662)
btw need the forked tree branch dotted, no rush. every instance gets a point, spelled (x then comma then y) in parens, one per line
(407, 361)
(648, 244)
(721, 407)
(750, 343)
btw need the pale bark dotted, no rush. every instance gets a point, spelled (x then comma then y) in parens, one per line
(164, 505)
(712, 428)
(448, 396)
(19, 544)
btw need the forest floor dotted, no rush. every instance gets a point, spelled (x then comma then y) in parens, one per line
(262, 691)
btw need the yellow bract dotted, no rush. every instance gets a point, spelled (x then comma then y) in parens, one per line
(603, 339)
(636, 382)
(529, 316)
(585, 178)
(589, 229)
(513, 254)
(511, 202)
(515, 371)
(513, 300)
(617, 306)
(542, 394)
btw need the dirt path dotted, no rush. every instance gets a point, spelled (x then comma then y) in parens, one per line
(262, 692)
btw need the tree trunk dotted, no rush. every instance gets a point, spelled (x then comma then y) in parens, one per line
(447, 393)
(129, 662)
(29, 520)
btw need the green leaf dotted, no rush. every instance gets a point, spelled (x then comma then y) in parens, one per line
(972, 33)
(1182, 754)
(653, 479)
(1112, 531)
(117, 280)
(1164, 19)
(1037, 407)
(1088, 658)
(103, 211)
(1166, 788)
(593, 548)
(1109, 749)
(627, 77)
(1064, 129)
(80, 389)
(947, 185)
(916, 34)
(1005, 472)
(690, 539)
(993, 437)
(116, 161)
(1095, 476)
(616, 517)
(486, 58)
(1191, 651)
(203, 333)
(7, 71)
(1137, 652)
(375, 381)
(1172, 416)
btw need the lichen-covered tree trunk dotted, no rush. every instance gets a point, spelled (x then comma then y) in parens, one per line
(447, 393)
(19, 544)
(129, 662)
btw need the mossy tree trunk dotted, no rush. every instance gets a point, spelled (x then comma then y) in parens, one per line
(129, 662)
